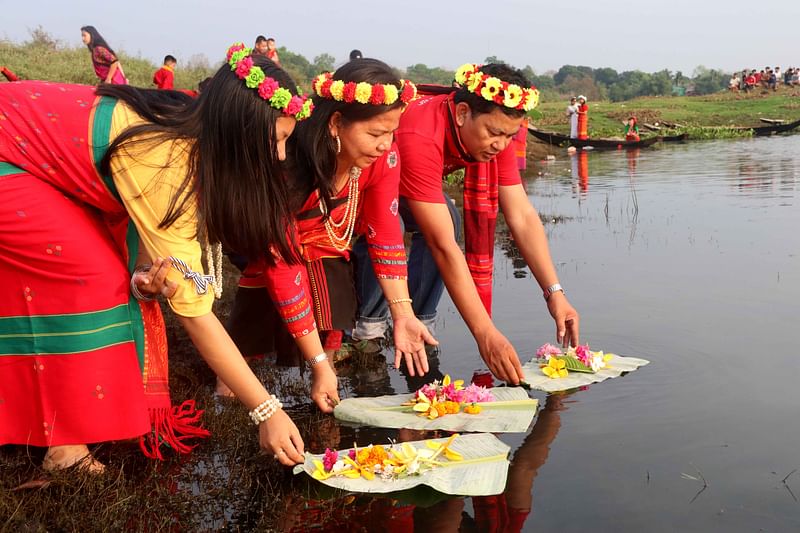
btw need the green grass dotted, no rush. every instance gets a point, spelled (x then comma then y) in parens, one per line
(721, 110)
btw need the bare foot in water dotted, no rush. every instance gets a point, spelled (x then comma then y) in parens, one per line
(222, 390)
(60, 457)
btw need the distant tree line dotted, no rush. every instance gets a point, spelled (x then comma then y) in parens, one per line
(70, 63)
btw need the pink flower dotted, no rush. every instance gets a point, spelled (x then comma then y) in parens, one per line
(329, 459)
(267, 88)
(233, 49)
(477, 394)
(295, 105)
(428, 390)
(452, 394)
(583, 354)
(243, 67)
(546, 350)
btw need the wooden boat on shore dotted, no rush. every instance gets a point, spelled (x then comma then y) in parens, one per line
(774, 129)
(557, 139)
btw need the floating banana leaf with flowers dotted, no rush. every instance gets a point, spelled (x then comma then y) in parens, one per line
(553, 370)
(445, 405)
(467, 465)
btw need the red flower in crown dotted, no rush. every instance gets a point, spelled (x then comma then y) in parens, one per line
(349, 92)
(233, 49)
(378, 94)
(243, 67)
(408, 92)
(325, 88)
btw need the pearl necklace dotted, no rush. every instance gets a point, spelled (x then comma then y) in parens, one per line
(342, 242)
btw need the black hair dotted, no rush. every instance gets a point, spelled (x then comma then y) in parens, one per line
(169, 58)
(96, 39)
(260, 39)
(356, 54)
(270, 39)
(312, 150)
(233, 168)
(479, 105)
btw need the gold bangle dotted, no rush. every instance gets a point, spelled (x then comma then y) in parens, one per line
(400, 300)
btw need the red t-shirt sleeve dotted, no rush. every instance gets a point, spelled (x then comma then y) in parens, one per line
(507, 169)
(422, 169)
(379, 219)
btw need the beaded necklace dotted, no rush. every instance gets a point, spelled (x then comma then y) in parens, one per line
(342, 241)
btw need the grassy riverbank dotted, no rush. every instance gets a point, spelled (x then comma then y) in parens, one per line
(721, 110)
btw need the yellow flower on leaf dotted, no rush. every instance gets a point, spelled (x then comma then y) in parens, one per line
(337, 90)
(555, 368)
(363, 92)
(444, 447)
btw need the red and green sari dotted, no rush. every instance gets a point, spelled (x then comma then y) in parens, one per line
(81, 360)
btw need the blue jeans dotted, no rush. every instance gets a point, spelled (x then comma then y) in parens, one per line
(425, 285)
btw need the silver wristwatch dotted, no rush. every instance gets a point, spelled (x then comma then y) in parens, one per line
(548, 292)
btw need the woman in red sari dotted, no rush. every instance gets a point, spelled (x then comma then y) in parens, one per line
(345, 168)
(106, 65)
(583, 118)
(97, 183)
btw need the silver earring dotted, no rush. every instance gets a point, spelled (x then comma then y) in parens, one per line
(338, 144)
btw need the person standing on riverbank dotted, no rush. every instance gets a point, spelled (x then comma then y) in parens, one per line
(572, 116)
(105, 62)
(583, 118)
(469, 127)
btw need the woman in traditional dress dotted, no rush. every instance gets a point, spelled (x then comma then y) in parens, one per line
(631, 130)
(105, 62)
(583, 118)
(345, 170)
(97, 183)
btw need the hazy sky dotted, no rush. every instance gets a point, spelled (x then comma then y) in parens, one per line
(622, 34)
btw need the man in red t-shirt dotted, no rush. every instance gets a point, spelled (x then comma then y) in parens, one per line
(466, 129)
(164, 78)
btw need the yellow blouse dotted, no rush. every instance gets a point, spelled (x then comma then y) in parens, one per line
(146, 176)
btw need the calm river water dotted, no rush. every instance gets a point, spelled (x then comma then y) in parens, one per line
(686, 255)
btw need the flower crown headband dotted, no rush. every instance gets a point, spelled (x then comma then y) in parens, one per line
(362, 92)
(496, 90)
(280, 98)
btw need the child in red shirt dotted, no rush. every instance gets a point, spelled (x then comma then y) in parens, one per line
(164, 78)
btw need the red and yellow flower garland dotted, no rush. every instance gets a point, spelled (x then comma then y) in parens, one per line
(496, 90)
(362, 92)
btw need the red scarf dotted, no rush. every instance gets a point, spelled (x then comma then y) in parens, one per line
(480, 210)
